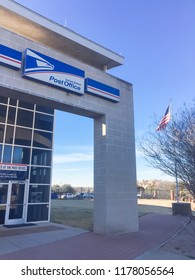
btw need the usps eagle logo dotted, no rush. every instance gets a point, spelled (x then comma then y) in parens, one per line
(37, 63)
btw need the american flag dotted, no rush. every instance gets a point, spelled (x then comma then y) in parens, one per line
(163, 123)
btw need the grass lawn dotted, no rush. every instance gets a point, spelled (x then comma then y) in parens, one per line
(79, 213)
(75, 213)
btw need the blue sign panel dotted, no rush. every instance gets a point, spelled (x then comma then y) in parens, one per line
(51, 71)
(10, 57)
(102, 90)
(13, 172)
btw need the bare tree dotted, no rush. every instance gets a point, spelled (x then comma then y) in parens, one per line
(172, 150)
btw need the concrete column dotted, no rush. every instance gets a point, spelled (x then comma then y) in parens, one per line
(115, 205)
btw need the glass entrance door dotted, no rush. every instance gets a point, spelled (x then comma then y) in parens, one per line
(16, 203)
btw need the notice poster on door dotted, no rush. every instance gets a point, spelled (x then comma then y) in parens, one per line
(13, 172)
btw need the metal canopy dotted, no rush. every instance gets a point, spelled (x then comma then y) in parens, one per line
(33, 26)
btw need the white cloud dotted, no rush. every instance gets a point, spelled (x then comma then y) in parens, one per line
(67, 170)
(72, 149)
(72, 157)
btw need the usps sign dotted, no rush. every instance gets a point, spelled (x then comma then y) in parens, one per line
(10, 58)
(48, 70)
(102, 90)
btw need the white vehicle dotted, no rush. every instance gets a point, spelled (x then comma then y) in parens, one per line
(69, 195)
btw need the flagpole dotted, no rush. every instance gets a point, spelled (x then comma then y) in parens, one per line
(176, 183)
(162, 125)
(176, 173)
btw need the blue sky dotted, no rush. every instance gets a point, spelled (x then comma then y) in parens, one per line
(156, 37)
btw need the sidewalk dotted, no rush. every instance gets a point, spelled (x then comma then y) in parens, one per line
(48, 241)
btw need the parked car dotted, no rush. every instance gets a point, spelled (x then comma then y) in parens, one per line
(63, 196)
(54, 195)
(139, 195)
(69, 195)
(88, 195)
(80, 195)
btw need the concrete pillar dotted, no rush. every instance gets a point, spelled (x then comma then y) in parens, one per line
(115, 205)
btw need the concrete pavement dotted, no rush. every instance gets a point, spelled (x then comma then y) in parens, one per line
(49, 241)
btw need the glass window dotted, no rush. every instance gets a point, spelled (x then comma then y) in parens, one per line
(7, 154)
(45, 109)
(44, 122)
(41, 157)
(21, 155)
(3, 193)
(17, 193)
(26, 105)
(3, 110)
(38, 193)
(23, 136)
(38, 212)
(3, 99)
(40, 175)
(42, 139)
(9, 134)
(1, 146)
(13, 102)
(2, 128)
(24, 118)
(2, 214)
(16, 212)
(11, 115)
